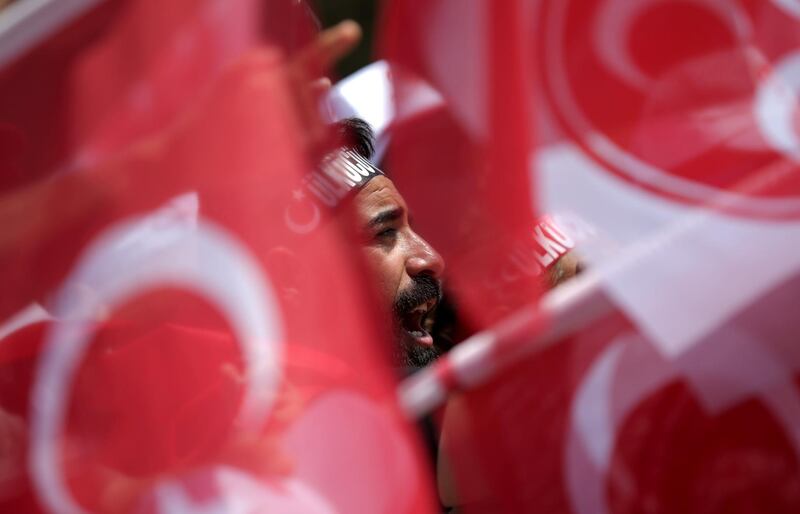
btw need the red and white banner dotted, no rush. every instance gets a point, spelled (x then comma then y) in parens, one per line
(671, 127)
(462, 162)
(682, 154)
(193, 355)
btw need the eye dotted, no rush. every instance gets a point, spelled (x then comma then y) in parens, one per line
(387, 233)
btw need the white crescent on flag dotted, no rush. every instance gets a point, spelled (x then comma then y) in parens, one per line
(170, 247)
(691, 254)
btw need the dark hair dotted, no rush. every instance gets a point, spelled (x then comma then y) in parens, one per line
(354, 134)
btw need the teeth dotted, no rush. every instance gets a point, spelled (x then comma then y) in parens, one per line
(425, 307)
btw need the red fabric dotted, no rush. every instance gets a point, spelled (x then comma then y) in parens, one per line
(157, 395)
(463, 167)
(153, 398)
(686, 107)
(505, 440)
(682, 439)
(652, 124)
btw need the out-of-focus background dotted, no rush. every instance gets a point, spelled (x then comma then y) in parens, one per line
(330, 12)
(365, 12)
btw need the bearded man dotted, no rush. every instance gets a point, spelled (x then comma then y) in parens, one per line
(405, 268)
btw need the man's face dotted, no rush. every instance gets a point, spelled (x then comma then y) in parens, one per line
(406, 268)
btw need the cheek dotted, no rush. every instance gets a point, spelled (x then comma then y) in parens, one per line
(387, 273)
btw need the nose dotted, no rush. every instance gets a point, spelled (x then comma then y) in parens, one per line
(423, 258)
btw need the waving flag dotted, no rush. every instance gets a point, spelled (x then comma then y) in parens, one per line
(698, 167)
(194, 356)
(695, 153)
(667, 379)
(471, 148)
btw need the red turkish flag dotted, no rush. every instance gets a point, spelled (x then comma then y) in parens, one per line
(463, 165)
(672, 128)
(601, 421)
(194, 355)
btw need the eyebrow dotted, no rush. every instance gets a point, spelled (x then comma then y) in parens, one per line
(385, 217)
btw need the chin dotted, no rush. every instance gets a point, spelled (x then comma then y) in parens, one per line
(414, 354)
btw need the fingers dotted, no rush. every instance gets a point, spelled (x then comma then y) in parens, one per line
(319, 87)
(335, 42)
(307, 69)
(330, 45)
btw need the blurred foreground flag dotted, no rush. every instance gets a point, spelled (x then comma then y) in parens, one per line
(684, 151)
(460, 142)
(673, 128)
(192, 355)
(601, 422)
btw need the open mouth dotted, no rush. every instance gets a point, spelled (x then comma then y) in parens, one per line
(418, 321)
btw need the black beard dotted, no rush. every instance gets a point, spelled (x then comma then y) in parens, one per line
(412, 357)
(407, 353)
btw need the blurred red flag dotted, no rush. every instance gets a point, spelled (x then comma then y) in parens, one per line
(463, 165)
(600, 421)
(672, 128)
(194, 356)
(683, 155)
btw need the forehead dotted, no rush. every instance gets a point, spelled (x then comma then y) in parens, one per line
(378, 195)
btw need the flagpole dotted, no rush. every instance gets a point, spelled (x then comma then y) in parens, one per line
(25, 23)
(557, 314)
(561, 312)
(533, 329)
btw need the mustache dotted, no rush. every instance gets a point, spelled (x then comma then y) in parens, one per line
(424, 287)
